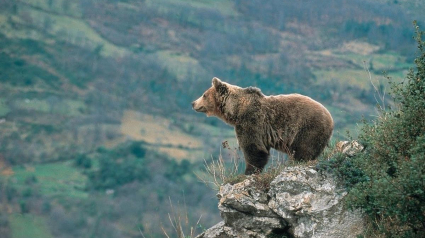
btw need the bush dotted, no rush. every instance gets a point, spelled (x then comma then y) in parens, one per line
(393, 195)
(343, 168)
(83, 161)
(120, 166)
(137, 149)
(176, 171)
(23, 204)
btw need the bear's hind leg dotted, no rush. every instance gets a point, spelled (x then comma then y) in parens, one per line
(309, 149)
(255, 159)
(304, 153)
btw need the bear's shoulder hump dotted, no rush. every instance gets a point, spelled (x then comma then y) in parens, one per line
(254, 90)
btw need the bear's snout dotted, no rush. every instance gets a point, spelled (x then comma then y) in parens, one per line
(198, 106)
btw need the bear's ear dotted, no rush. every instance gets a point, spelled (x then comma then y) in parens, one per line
(216, 82)
(219, 86)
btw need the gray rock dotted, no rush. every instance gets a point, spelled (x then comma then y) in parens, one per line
(312, 204)
(245, 209)
(219, 231)
(349, 148)
(301, 202)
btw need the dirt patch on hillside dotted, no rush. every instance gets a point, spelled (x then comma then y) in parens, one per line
(161, 133)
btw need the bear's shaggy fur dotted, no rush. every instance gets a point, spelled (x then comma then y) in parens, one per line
(293, 123)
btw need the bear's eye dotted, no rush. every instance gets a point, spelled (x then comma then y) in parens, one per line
(204, 96)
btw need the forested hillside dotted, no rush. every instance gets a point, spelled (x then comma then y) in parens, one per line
(97, 133)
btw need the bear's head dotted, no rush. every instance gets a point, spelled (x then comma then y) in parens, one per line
(211, 100)
(225, 101)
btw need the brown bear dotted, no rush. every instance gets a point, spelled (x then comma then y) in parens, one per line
(294, 124)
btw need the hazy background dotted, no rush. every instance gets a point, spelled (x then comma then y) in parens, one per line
(97, 133)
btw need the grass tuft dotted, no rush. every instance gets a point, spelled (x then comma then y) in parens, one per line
(179, 220)
(277, 164)
(219, 172)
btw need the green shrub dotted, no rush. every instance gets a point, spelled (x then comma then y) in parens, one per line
(393, 193)
(343, 168)
(176, 171)
(83, 161)
(119, 166)
(137, 149)
(24, 206)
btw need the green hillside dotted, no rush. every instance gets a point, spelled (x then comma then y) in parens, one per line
(97, 130)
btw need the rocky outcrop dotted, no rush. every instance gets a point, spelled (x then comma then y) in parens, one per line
(301, 202)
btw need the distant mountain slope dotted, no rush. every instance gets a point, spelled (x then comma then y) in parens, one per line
(157, 56)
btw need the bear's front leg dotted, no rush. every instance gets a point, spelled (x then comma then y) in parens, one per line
(256, 153)
(255, 158)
